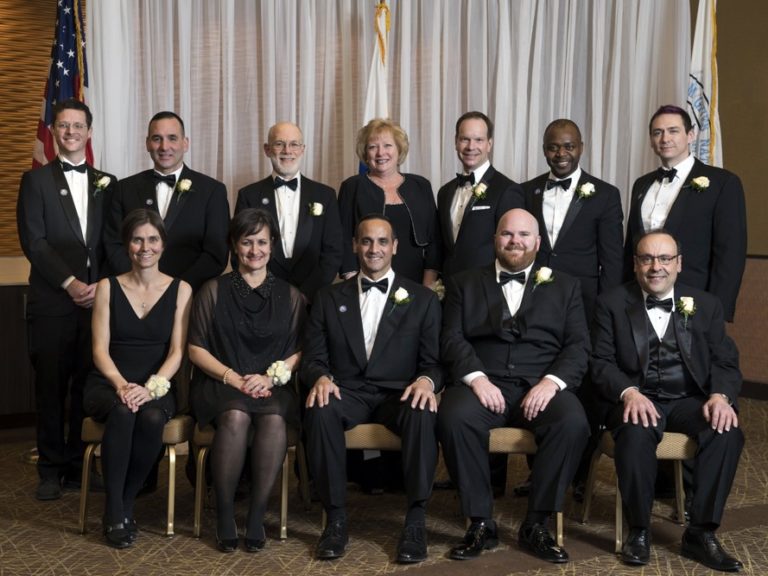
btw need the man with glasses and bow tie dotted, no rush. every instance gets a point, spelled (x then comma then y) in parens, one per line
(470, 206)
(309, 251)
(661, 355)
(59, 216)
(371, 354)
(702, 206)
(193, 206)
(515, 339)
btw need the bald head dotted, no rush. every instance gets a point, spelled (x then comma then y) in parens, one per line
(517, 239)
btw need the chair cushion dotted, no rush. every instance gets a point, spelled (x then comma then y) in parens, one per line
(512, 441)
(372, 437)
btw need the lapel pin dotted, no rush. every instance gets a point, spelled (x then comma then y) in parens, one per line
(537, 192)
(63, 192)
(265, 201)
(149, 201)
(342, 308)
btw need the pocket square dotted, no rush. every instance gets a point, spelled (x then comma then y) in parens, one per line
(485, 207)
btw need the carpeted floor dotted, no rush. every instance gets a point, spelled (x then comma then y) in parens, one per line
(39, 538)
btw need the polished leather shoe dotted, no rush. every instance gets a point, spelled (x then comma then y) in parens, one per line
(537, 539)
(412, 546)
(117, 535)
(480, 536)
(226, 545)
(48, 489)
(254, 544)
(333, 541)
(637, 547)
(704, 547)
(133, 529)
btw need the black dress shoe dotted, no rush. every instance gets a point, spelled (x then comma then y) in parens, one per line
(333, 541)
(48, 489)
(704, 547)
(412, 546)
(637, 547)
(537, 539)
(255, 544)
(480, 536)
(226, 545)
(117, 535)
(133, 529)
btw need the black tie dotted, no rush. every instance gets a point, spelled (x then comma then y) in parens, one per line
(564, 184)
(66, 166)
(382, 284)
(169, 179)
(292, 184)
(652, 302)
(505, 277)
(662, 173)
(465, 179)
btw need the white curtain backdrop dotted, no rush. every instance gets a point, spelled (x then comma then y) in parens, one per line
(232, 68)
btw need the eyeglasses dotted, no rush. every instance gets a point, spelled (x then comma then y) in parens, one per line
(281, 145)
(664, 259)
(78, 126)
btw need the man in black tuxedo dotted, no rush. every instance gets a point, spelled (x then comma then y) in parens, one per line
(194, 208)
(470, 205)
(701, 206)
(60, 211)
(662, 356)
(371, 354)
(516, 341)
(309, 252)
(579, 215)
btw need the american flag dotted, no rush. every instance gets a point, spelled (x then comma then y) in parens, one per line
(68, 77)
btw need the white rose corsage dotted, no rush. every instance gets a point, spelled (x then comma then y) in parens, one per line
(158, 386)
(439, 288)
(700, 184)
(100, 183)
(478, 190)
(279, 372)
(183, 185)
(586, 190)
(543, 276)
(315, 209)
(687, 307)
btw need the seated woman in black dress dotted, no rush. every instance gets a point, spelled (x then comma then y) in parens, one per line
(139, 332)
(244, 338)
(406, 199)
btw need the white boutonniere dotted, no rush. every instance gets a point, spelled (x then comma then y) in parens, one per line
(315, 209)
(439, 288)
(158, 386)
(100, 183)
(586, 190)
(543, 276)
(687, 307)
(399, 297)
(183, 185)
(279, 372)
(700, 183)
(478, 190)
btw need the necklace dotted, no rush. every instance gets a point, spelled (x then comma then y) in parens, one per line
(143, 305)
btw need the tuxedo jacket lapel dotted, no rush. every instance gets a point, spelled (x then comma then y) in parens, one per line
(178, 199)
(391, 317)
(348, 310)
(577, 203)
(637, 209)
(445, 214)
(305, 223)
(537, 209)
(67, 204)
(147, 193)
(94, 207)
(497, 305)
(638, 320)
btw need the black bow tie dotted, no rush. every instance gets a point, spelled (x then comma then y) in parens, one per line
(292, 184)
(382, 284)
(564, 184)
(465, 179)
(652, 302)
(505, 277)
(662, 173)
(169, 179)
(82, 168)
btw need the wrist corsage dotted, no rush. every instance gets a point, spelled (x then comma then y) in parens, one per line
(279, 372)
(158, 386)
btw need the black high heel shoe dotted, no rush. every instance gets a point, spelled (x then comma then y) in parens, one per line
(117, 535)
(133, 529)
(227, 545)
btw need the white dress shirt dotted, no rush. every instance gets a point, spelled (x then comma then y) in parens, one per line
(288, 204)
(463, 196)
(165, 192)
(660, 318)
(78, 188)
(372, 305)
(661, 195)
(555, 203)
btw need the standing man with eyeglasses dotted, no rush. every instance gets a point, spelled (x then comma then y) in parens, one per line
(701, 206)
(194, 208)
(309, 251)
(662, 357)
(60, 211)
